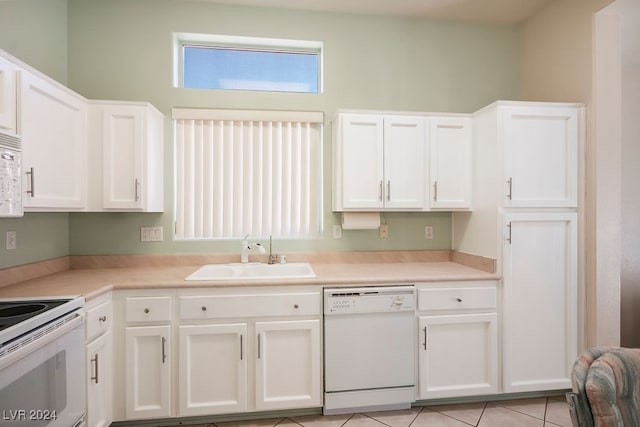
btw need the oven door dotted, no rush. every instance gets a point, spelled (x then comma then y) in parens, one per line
(43, 382)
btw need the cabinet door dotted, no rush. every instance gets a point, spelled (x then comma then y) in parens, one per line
(52, 124)
(540, 150)
(148, 371)
(288, 369)
(213, 369)
(450, 162)
(361, 161)
(540, 301)
(99, 374)
(7, 97)
(457, 355)
(404, 145)
(123, 140)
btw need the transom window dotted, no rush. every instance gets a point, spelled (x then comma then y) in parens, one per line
(247, 63)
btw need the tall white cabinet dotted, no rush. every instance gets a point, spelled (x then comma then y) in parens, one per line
(526, 191)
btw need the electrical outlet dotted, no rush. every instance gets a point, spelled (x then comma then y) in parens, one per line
(428, 232)
(337, 231)
(11, 240)
(384, 231)
(151, 234)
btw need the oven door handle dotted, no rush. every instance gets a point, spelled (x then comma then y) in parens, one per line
(37, 343)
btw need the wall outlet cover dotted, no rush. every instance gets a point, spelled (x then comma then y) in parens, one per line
(428, 232)
(384, 231)
(11, 242)
(337, 231)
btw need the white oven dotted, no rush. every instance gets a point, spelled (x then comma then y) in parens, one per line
(42, 377)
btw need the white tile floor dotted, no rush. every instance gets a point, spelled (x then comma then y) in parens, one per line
(536, 412)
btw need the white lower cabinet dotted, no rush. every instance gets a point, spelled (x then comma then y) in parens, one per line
(540, 301)
(212, 369)
(99, 374)
(98, 361)
(148, 371)
(288, 364)
(458, 339)
(215, 361)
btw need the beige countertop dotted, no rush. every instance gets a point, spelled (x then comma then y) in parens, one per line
(92, 282)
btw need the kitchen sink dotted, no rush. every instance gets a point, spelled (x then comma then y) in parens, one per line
(252, 271)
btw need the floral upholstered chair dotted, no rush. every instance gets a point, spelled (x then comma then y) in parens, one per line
(606, 388)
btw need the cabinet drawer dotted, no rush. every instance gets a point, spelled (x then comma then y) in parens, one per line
(148, 309)
(221, 306)
(99, 320)
(456, 298)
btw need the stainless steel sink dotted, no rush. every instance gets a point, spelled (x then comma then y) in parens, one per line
(252, 271)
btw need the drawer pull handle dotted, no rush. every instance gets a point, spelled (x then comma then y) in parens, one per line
(95, 360)
(164, 353)
(204, 308)
(102, 318)
(146, 310)
(459, 299)
(296, 306)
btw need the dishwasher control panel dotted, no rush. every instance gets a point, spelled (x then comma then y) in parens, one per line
(370, 299)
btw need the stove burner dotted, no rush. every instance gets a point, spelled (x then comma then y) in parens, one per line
(21, 310)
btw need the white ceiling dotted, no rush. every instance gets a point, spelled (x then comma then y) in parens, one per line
(484, 11)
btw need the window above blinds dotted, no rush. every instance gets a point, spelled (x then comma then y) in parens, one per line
(225, 62)
(247, 172)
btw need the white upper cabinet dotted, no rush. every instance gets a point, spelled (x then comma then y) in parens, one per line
(53, 128)
(378, 162)
(127, 157)
(7, 97)
(450, 163)
(540, 160)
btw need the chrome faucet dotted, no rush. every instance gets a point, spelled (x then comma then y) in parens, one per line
(272, 257)
(246, 248)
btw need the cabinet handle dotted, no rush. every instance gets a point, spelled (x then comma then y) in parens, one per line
(259, 345)
(435, 191)
(31, 192)
(509, 235)
(241, 347)
(388, 190)
(164, 353)
(380, 192)
(95, 360)
(102, 318)
(146, 311)
(137, 189)
(204, 308)
(425, 337)
(510, 193)
(459, 299)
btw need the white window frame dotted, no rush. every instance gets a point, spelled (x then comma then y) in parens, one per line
(242, 42)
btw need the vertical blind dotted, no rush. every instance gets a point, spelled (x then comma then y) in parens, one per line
(247, 172)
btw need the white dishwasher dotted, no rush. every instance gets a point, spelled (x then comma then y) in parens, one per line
(369, 349)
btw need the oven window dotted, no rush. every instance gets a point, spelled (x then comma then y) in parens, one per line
(35, 397)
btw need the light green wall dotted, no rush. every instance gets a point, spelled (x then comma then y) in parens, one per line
(121, 49)
(36, 32)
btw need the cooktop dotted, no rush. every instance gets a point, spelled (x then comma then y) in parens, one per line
(21, 315)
